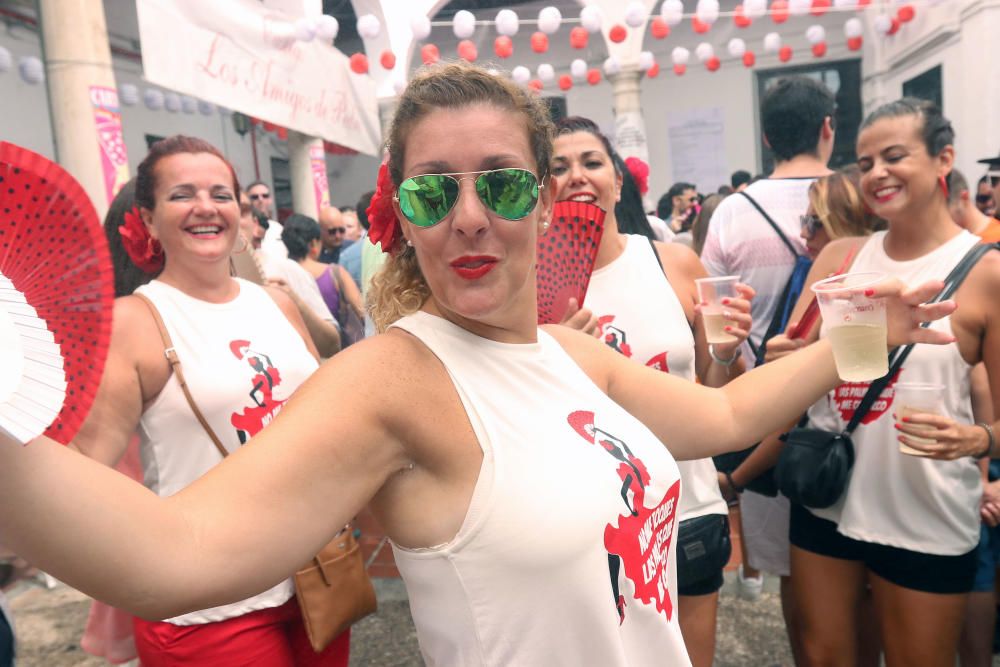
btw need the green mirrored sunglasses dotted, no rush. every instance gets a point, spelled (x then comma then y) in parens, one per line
(425, 200)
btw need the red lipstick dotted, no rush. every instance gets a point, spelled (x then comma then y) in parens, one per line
(473, 267)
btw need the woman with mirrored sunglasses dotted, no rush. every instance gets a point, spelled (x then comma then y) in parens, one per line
(646, 289)
(507, 463)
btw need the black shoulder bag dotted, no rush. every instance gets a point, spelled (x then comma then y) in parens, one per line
(815, 465)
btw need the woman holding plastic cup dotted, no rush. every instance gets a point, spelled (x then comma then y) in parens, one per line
(643, 297)
(908, 525)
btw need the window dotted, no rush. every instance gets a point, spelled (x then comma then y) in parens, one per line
(926, 86)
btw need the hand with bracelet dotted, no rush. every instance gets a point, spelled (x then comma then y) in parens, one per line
(737, 313)
(941, 437)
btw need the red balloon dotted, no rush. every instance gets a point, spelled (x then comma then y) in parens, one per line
(740, 18)
(713, 63)
(906, 13)
(283, 133)
(359, 63)
(863, 3)
(749, 59)
(699, 26)
(539, 42)
(536, 85)
(578, 37)
(854, 43)
(430, 54)
(388, 59)
(819, 7)
(894, 28)
(593, 76)
(467, 51)
(785, 54)
(653, 71)
(269, 127)
(618, 33)
(565, 82)
(819, 49)
(254, 121)
(503, 46)
(680, 69)
(659, 28)
(779, 11)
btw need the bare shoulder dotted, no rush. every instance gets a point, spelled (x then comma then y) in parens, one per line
(594, 357)
(133, 330)
(281, 298)
(985, 276)
(832, 257)
(680, 256)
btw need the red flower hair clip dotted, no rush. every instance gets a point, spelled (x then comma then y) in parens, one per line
(144, 251)
(383, 226)
(640, 173)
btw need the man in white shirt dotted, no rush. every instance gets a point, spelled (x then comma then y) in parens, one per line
(797, 118)
(259, 193)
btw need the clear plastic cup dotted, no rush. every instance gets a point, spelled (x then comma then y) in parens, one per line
(712, 291)
(855, 325)
(911, 398)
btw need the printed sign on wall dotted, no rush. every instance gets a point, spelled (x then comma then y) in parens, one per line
(108, 123)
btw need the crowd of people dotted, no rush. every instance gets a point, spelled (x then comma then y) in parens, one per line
(548, 499)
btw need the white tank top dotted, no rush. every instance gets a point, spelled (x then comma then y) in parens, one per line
(549, 567)
(641, 317)
(904, 501)
(242, 360)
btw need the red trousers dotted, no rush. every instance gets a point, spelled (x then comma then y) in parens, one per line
(267, 638)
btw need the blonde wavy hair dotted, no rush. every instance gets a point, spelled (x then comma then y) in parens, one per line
(837, 200)
(399, 288)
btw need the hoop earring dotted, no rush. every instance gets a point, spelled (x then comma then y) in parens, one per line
(241, 249)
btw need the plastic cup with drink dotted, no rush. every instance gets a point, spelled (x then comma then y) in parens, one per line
(855, 325)
(917, 398)
(711, 291)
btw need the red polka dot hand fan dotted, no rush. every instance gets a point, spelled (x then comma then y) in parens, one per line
(56, 298)
(566, 254)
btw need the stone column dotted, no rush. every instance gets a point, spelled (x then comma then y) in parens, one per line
(307, 188)
(77, 57)
(630, 129)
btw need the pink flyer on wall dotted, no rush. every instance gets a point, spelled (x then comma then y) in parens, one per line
(321, 186)
(108, 122)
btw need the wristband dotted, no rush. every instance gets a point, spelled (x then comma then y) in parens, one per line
(729, 478)
(724, 362)
(991, 440)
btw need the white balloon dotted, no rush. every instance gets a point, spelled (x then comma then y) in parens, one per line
(578, 68)
(591, 19)
(882, 24)
(206, 108)
(224, 111)
(153, 99)
(799, 7)
(707, 11)
(772, 42)
(755, 9)
(635, 14)
(845, 4)
(815, 34)
(282, 34)
(327, 27)
(549, 19)
(853, 27)
(420, 26)
(646, 60)
(704, 51)
(506, 22)
(611, 66)
(172, 102)
(464, 24)
(305, 30)
(680, 55)
(189, 104)
(31, 69)
(737, 47)
(128, 93)
(672, 11)
(6, 60)
(369, 26)
(521, 74)
(546, 72)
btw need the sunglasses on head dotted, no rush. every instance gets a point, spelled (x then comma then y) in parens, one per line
(427, 199)
(266, 195)
(810, 224)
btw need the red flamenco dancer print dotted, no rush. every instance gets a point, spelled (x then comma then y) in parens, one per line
(639, 541)
(848, 396)
(266, 377)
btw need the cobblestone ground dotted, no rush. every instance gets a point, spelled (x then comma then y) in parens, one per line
(49, 623)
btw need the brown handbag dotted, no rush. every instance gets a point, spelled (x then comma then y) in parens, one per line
(333, 589)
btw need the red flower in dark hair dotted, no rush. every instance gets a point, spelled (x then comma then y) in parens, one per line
(144, 251)
(383, 225)
(640, 173)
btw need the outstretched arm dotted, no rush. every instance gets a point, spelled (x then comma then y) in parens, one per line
(241, 528)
